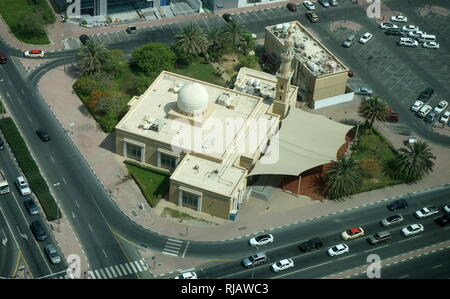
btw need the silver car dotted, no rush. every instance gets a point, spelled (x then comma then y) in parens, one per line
(392, 220)
(52, 254)
(349, 41)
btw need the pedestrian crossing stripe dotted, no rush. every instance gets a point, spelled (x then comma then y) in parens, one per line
(172, 247)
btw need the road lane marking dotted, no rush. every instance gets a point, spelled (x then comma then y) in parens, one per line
(185, 249)
(104, 252)
(128, 268)
(64, 180)
(29, 118)
(437, 266)
(410, 239)
(76, 203)
(304, 269)
(404, 276)
(90, 227)
(377, 248)
(51, 158)
(346, 257)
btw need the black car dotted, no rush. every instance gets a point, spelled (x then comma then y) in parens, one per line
(31, 206)
(84, 39)
(38, 231)
(443, 220)
(398, 204)
(426, 94)
(228, 18)
(43, 135)
(309, 245)
(395, 32)
(131, 29)
(292, 6)
(2, 58)
(2, 145)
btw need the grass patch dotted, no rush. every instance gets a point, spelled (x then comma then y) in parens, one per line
(29, 168)
(180, 215)
(200, 71)
(154, 184)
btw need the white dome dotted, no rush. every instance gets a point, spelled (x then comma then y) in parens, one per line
(192, 98)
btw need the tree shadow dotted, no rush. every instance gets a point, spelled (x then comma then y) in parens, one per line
(73, 71)
(319, 186)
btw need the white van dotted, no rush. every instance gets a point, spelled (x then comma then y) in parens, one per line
(427, 38)
(424, 111)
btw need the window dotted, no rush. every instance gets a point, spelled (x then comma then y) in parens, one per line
(168, 162)
(134, 152)
(253, 1)
(190, 200)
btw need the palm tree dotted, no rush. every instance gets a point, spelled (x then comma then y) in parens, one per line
(415, 161)
(234, 31)
(92, 57)
(215, 38)
(343, 177)
(191, 40)
(374, 108)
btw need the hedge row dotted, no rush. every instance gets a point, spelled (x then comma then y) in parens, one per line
(37, 183)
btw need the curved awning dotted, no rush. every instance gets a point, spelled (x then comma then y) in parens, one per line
(305, 140)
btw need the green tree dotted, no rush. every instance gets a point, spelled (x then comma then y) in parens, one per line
(92, 57)
(343, 178)
(192, 40)
(374, 108)
(233, 32)
(248, 43)
(30, 25)
(415, 161)
(250, 61)
(153, 58)
(215, 39)
(115, 63)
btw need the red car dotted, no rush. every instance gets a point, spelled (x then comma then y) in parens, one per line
(392, 116)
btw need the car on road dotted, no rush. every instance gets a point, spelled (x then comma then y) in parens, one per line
(255, 260)
(440, 107)
(227, 17)
(393, 117)
(409, 28)
(31, 206)
(401, 19)
(431, 45)
(2, 144)
(444, 118)
(352, 233)
(387, 26)
(398, 204)
(309, 5)
(364, 91)
(416, 106)
(431, 116)
(365, 38)
(427, 212)
(84, 39)
(349, 41)
(292, 6)
(43, 135)
(312, 244)
(412, 229)
(423, 112)
(34, 53)
(52, 254)
(338, 249)
(261, 240)
(2, 58)
(426, 94)
(131, 29)
(324, 3)
(187, 275)
(38, 230)
(379, 237)
(447, 208)
(283, 265)
(443, 220)
(392, 220)
(416, 33)
(23, 186)
(408, 42)
(312, 17)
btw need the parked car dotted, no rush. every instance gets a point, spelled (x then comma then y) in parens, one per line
(333, 2)
(443, 220)
(2, 58)
(447, 208)
(38, 230)
(416, 106)
(227, 17)
(255, 260)
(309, 5)
(408, 42)
(34, 53)
(84, 39)
(324, 3)
(431, 45)
(392, 220)
(379, 238)
(365, 91)
(23, 186)
(398, 204)
(427, 212)
(312, 244)
(312, 17)
(365, 38)
(352, 233)
(387, 26)
(283, 265)
(393, 117)
(131, 29)
(394, 32)
(338, 249)
(444, 118)
(416, 33)
(2, 144)
(440, 107)
(423, 112)
(412, 229)
(292, 6)
(426, 94)
(431, 116)
(349, 41)
(187, 275)
(261, 240)
(409, 28)
(31, 206)
(43, 135)
(52, 254)
(401, 19)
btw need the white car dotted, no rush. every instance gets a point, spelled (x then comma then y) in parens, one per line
(416, 33)
(444, 118)
(23, 186)
(409, 28)
(431, 45)
(441, 106)
(401, 19)
(309, 5)
(365, 38)
(352, 233)
(388, 26)
(338, 249)
(416, 106)
(447, 208)
(187, 275)
(427, 212)
(34, 53)
(283, 265)
(412, 229)
(408, 42)
(333, 2)
(424, 111)
(261, 240)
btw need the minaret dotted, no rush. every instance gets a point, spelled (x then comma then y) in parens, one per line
(284, 74)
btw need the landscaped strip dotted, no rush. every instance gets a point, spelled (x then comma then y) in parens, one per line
(37, 183)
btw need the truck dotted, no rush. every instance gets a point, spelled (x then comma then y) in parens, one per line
(4, 187)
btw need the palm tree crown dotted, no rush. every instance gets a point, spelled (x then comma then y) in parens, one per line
(374, 108)
(234, 31)
(92, 57)
(415, 161)
(343, 177)
(191, 40)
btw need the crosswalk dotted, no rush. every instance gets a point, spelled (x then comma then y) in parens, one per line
(172, 247)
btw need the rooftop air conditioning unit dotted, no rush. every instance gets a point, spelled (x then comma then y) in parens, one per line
(226, 100)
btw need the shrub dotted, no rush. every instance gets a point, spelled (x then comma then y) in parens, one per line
(153, 58)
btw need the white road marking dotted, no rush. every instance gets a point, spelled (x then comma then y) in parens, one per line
(134, 268)
(107, 272)
(113, 272)
(124, 270)
(304, 269)
(51, 158)
(90, 227)
(376, 248)
(128, 268)
(185, 249)
(168, 253)
(103, 273)
(404, 276)
(118, 270)
(29, 118)
(412, 238)
(64, 180)
(76, 202)
(104, 252)
(91, 275)
(174, 240)
(98, 274)
(437, 266)
(144, 266)
(137, 265)
(346, 257)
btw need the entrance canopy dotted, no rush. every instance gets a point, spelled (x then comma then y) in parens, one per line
(305, 140)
